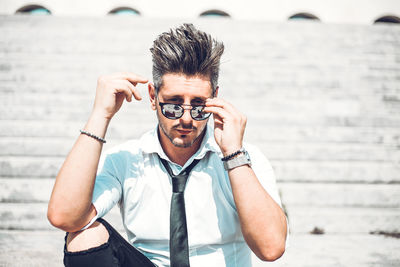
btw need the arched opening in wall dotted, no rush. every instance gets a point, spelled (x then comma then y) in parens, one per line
(33, 10)
(125, 11)
(387, 19)
(304, 16)
(215, 13)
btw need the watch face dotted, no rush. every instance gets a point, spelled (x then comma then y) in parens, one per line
(242, 159)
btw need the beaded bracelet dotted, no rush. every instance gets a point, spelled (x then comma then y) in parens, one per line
(233, 154)
(94, 136)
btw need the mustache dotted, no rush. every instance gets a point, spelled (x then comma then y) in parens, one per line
(184, 126)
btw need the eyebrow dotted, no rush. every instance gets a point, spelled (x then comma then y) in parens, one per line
(168, 97)
(199, 99)
(179, 97)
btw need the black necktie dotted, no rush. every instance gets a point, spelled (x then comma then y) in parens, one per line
(178, 237)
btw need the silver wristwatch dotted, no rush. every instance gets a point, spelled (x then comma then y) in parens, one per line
(241, 159)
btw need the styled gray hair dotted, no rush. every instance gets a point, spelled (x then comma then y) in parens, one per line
(186, 50)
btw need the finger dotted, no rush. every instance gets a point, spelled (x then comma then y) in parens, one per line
(133, 89)
(218, 102)
(218, 120)
(136, 93)
(219, 112)
(222, 116)
(130, 76)
(119, 86)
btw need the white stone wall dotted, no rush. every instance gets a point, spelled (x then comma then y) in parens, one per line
(329, 11)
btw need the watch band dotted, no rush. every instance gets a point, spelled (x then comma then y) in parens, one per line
(234, 154)
(241, 159)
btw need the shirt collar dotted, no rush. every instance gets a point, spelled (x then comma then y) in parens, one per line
(150, 143)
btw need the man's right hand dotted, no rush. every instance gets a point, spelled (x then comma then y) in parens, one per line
(113, 89)
(70, 206)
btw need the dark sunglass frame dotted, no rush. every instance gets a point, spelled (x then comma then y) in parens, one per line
(182, 110)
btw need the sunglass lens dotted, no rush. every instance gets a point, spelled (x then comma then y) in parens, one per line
(172, 111)
(198, 114)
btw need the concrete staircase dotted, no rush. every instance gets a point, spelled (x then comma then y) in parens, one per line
(322, 100)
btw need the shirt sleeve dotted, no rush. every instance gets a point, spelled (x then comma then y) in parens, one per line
(107, 190)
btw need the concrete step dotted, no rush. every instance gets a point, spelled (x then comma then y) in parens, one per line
(343, 220)
(44, 248)
(70, 129)
(122, 129)
(338, 171)
(28, 190)
(286, 170)
(287, 116)
(307, 151)
(302, 219)
(306, 55)
(31, 248)
(340, 195)
(264, 103)
(322, 134)
(333, 250)
(19, 104)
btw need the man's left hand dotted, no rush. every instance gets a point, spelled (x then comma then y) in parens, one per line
(229, 125)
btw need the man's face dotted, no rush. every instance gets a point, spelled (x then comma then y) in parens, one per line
(181, 89)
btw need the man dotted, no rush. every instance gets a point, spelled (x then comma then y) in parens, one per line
(226, 206)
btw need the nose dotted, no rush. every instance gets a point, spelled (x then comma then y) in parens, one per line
(186, 118)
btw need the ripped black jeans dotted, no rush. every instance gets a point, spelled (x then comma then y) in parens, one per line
(116, 252)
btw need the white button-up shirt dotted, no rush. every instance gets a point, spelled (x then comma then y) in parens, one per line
(132, 176)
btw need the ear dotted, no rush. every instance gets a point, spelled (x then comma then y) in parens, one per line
(152, 95)
(216, 91)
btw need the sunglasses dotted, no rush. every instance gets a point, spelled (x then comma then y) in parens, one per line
(175, 111)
